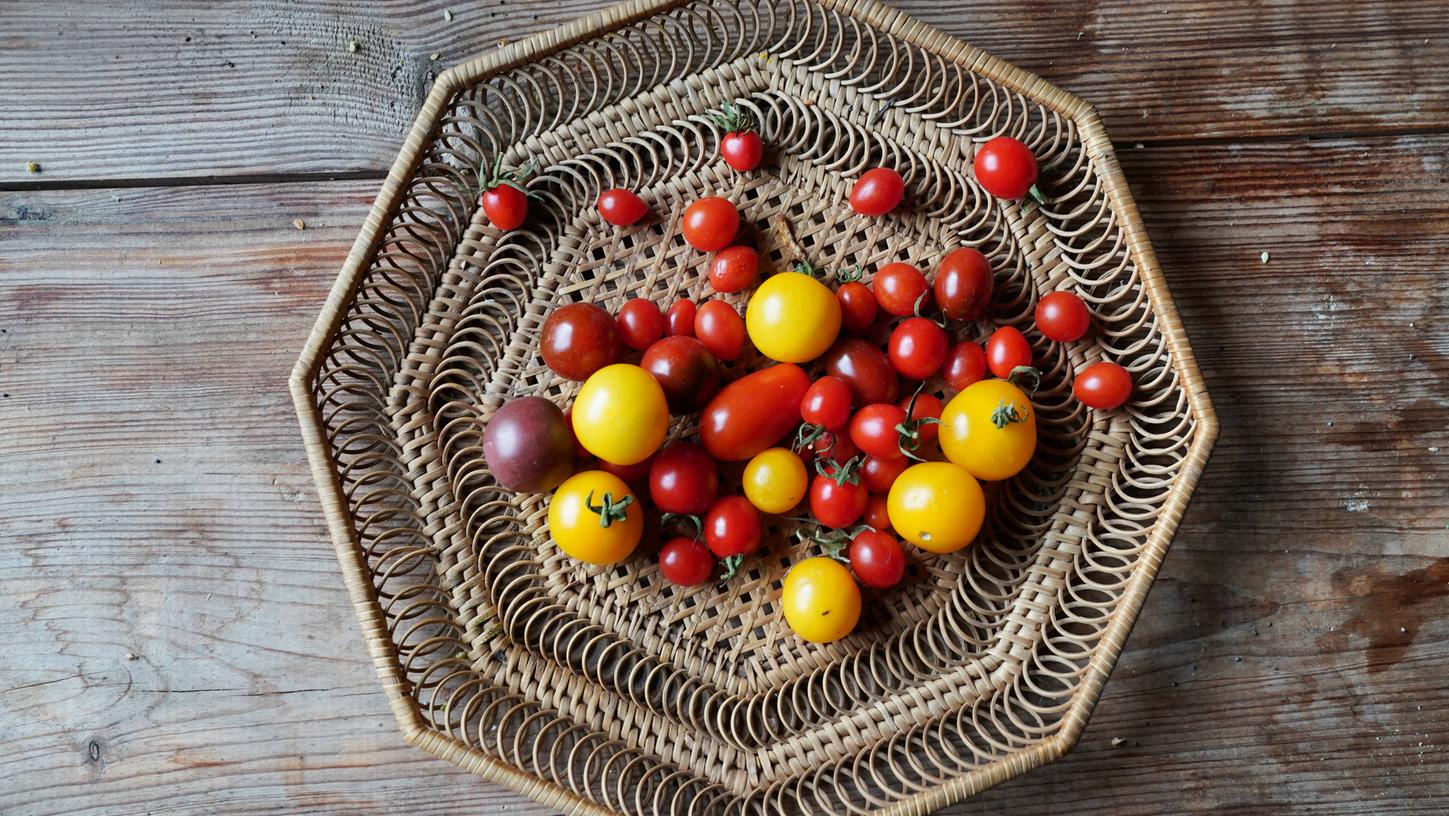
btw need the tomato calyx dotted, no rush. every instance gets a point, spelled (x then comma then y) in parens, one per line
(498, 176)
(850, 275)
(834, 543)
(1021, 373)
(609, 511)
(842, 473)
(692, 522)
(808, 435)
(731, 567)
(1006, 413)
(1035, 193)
(909, 431)
(733, 119)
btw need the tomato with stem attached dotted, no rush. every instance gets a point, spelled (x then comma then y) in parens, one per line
(989, 429)
(1063, 317)
(640, 323)
(1103, 386)
(685, 561)
(900, 289)
(1006, 168)
(873, 429)
(827, 403)
(838, 500)
(857, 306)
(621, 207)
(877, 559)
(683, 479)
(1007, 350)
(734, 269)
(963, 284)
(504, 198)
(594, 517)
(877, 192)
(741, 146)
(579, 339)
(710, 223)
(918, 347)
(753, 412)
(732, 527)
(924, 411)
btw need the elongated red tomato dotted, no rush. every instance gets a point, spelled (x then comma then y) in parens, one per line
(1006, 349)
(963, 284)
(753, 412)
(877, 192)
(827, 403)
(857, 306)
(621, 207)
(721, 329)
(1103, 385)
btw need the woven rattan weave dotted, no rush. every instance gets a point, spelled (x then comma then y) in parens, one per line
(608, 690)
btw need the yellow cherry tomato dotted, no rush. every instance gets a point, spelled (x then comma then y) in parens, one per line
(989, 429)
(937, 506)
(594, 517)
(821, 600)
(620, 415)
(775, 481)
(792, 317)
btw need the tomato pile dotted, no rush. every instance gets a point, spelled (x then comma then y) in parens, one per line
(887, 442)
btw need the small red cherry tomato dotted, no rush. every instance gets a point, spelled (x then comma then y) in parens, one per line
(1063, 317)
(732, 527)
(709, 224)
(928, 406)
(621, 207)
(683, 479)
(831, 446)
(899, 287)
(679, 320)
(865, 368)
(629, 474)
(835, 504)
(965, 365)
(877, 559)
(742, 150)
(963, 284)
(734, 269)
(505, 205)
(873, 430)
(857, 306)
(877, 514)
(918, 347)
(1006, 168)
(685, 561)
(640, 323)
(877, 192)
(1103, 386)
(1006, 349)
(879, 474)
(721, 329)
(827, 403)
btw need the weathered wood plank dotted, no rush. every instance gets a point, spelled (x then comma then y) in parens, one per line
(172, 89)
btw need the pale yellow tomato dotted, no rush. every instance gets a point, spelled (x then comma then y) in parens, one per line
(594, 517)
(620, 414)
(989, 429)
(775, 481)
(821, 600)
(937, 506)
(792, 317)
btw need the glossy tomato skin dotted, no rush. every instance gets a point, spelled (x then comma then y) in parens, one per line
(528, 445)
(640, 323)
(877, 559)
(579, 339)
(971, 437)
(873, 430)
(878, 474)
(622, 207)
(792, 317)
(1005, 168)
(837, 505)
(877, 512)
(937, 506)
(506, 207)
(683, 479)
(1006, 349)
(679, 320)
(719, 327)
(1103, 386)
(928, 406)
(877, 192)
(827, 403)
(734, 269)
(710, 224)
(732, 527)
(742, 150)
(963, 284)
(581, 530)
(918, 347)
(820, 600)
(857, 306)
(965, 365)
(898, 287)
(620, 414)
(685, 562)
(1063, 317)
(775, 481)
(632, 475)
(865, 368)
(686, 370)
(753, 412)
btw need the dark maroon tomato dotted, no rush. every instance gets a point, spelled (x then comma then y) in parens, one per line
(721, 329)
(753, 412)
(1103, 386)
(963, 284)
(732, 527)
(683, 479)
(827, 403)
(877, 512)
(579, 339)
(742, 150)
(631, 474)
(710, 223)
(580, 452)
(864, 368)
(873, 430)
(505, 205)
(529, 445)
(686, 370)
(1006, 168)
(734, 269)
(1063, 317)
(879, 474)
(641, 324)
(1006, 349)
(877, 559)
(837, 505)
(918, 347)
(965, 365)
(621, 207)
(877, 192)
(685, 561)
(857, 306)
(928, 406)
(899, 288)
(679, 320)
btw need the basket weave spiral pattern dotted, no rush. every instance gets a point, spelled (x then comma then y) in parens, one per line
(608, 690)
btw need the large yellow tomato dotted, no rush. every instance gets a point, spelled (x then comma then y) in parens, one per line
(620, 415)
(937, 506)
(775, 481)
(594, 517)
(821, 600)
(792, 317)
(989, 429)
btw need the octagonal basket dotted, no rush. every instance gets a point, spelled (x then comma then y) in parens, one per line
(608, 690)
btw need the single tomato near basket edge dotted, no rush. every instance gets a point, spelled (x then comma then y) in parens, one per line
(877, 192)
(1007, 169)
(528, 445)
(594, 517)
(820, 600)
(753, 412)
(1103, 386)
(1062, 316)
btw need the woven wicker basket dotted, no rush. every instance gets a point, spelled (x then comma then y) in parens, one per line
(608, 690)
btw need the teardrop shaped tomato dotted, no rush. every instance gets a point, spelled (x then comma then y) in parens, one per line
(753, 412)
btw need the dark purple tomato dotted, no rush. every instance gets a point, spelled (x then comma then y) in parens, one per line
(865, 368)
(686, 370)
(528, 445)
(579, 339)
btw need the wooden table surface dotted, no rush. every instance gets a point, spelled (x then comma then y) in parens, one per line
(175, 634)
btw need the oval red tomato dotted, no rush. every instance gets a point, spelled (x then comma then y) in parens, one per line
(679, 320)
(621, 207)
(865, 368)
(877, 559)
(1006, 168)
(753, 412)
(685, 561)
(721, 329)
(837, 504)
(877, 511)
(683, 479)
(827, 403)
(709, 224)
(965, 365)
(734, 269)
(857, 306)
(963, 284)
(579, 339)
(1103, 385)
(918, 347)
(640, 323)
(1006, 349)
(877, 192)
(686, 370)
(732, 527)
(899, 287)
(1062, 316)
(873, 430)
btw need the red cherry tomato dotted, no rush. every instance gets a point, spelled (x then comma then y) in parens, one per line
(721, 329)
(899, 287)
(877, 513)
(579, 339)
(837, 505)
(629, 474)
(873, 430)
(732, 527)
(685, 562)
(709, 224)
(865, 369)
(506, 206)
(857, 306)
(918, 347)
(965, 365)
(1006, 168)
(1006, 349)
(580, 451)
(683, 479)
(877, 559)
(621, 207)
(742, 150)
(928, 406)
(640, 323)
(734, 269)
(827, 403)
(963, 284)
(1103, 386)
(1063, 317)
(879, 474)
(753, 412)
(679, 320)
(686, 370)
(877, 192)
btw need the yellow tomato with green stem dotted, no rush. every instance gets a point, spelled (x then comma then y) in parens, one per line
(594, 517)
(989, 429)
(820, 600)
(775, 481)
(937, 506)
(620, 414)
(792, 317)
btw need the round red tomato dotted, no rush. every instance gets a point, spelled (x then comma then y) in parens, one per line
(683, 479)
(753, 412)
(1006, 349)
(837, 504)
(679, 320)
(640, 323)
(686, 370)
(879, 474)
(1006, 168)
(877, 511)
(721, 329)
(857, 306)
(877, 192)
(732, 527)
(579, 339)
(685, 561)
(865, 368)
(877, 559)
(827, 403)
(709, 224)
(918, 347)
(734, 269)
(629, 474)
(742, 150)
(1063, 317)
(899, 287)
(505, 205)
(1103, 386)
(928, 406)
(965, 364)
(873, 430)
(963, 284)
(621, 207)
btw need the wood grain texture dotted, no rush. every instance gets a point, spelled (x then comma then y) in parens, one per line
(137, 90)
